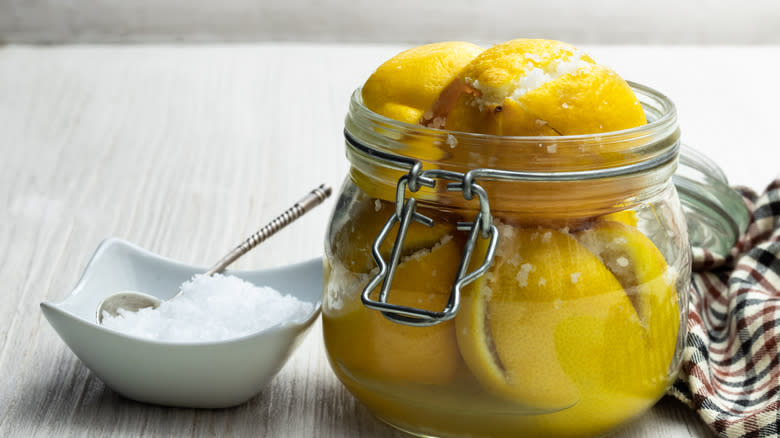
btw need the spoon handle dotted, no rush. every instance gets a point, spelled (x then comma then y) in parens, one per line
(311, 200)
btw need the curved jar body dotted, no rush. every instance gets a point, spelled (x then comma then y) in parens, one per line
(576, 324)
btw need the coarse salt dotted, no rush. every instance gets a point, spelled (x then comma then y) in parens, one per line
(452, 141)
(522, 274)
(211, 309)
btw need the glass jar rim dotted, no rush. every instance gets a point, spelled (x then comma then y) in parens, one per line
(566, 157)
(664, 118)
(373, 137)
(701, 182)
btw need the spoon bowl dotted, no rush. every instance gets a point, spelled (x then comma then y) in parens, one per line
(129, 300)
(214, 374)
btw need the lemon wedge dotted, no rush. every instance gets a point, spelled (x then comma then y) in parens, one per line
(542, 87)
(650, 284)
(389, 351)
(407, 85)
(353, 241)
(512, 328)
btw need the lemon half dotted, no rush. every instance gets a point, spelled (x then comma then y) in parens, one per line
(512, 327)
(542, 87)
(407, 85)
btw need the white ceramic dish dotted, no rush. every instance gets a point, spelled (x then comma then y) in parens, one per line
(203, 375)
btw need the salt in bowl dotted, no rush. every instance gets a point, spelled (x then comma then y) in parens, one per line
(215, 374)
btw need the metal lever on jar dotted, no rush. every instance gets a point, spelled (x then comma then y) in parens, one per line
(408, 213)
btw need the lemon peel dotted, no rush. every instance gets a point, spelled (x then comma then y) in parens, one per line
(397, 353)
(542, 87)
(407, 88)
(651, 286)
(423, 278)
(353, 240)
(407, 85)
(426, 355)
(627, 217)
(632, 365)
(508, 325)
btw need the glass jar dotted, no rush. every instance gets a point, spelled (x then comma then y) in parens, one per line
(479, 285)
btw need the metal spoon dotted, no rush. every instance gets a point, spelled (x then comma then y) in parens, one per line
(134, 301)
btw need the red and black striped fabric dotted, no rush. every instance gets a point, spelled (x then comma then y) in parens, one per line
(730, 372)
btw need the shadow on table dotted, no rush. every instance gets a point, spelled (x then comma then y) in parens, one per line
(669, 410)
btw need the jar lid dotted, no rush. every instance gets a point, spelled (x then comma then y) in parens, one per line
(716, 214)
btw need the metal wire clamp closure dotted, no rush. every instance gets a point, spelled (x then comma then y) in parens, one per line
(404, 215)
(406, 212)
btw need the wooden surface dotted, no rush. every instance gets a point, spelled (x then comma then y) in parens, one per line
(187, 150)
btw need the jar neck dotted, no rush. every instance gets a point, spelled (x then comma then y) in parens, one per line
(553, 178)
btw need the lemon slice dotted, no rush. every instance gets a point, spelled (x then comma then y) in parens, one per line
(353, 240)
(420, 354)
(364, 339)
(366, 342)
(650, 285)
(622, 364)
(512, 327)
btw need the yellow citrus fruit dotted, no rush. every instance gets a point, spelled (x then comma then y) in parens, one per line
(581, 326)
(621, 366)
(533, 87)
(353, 240)
(650, 285)
(512, 327)
(627, 217)
(368, 343)
(542, 87)
(420, 354)
(405, 88)
(407, 85)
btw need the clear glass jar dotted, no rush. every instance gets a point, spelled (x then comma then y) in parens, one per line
(577, 322)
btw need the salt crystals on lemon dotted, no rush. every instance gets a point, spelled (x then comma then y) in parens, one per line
(539, 87)
(520, 87)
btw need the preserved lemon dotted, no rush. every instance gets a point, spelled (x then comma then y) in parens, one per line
(542, 87)
(406, 86)
(422, 280)
(573, 329)
(515, 322)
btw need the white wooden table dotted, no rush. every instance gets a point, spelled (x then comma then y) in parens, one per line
(185, 150)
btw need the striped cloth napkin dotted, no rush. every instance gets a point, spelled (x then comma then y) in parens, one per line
(731, 371)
